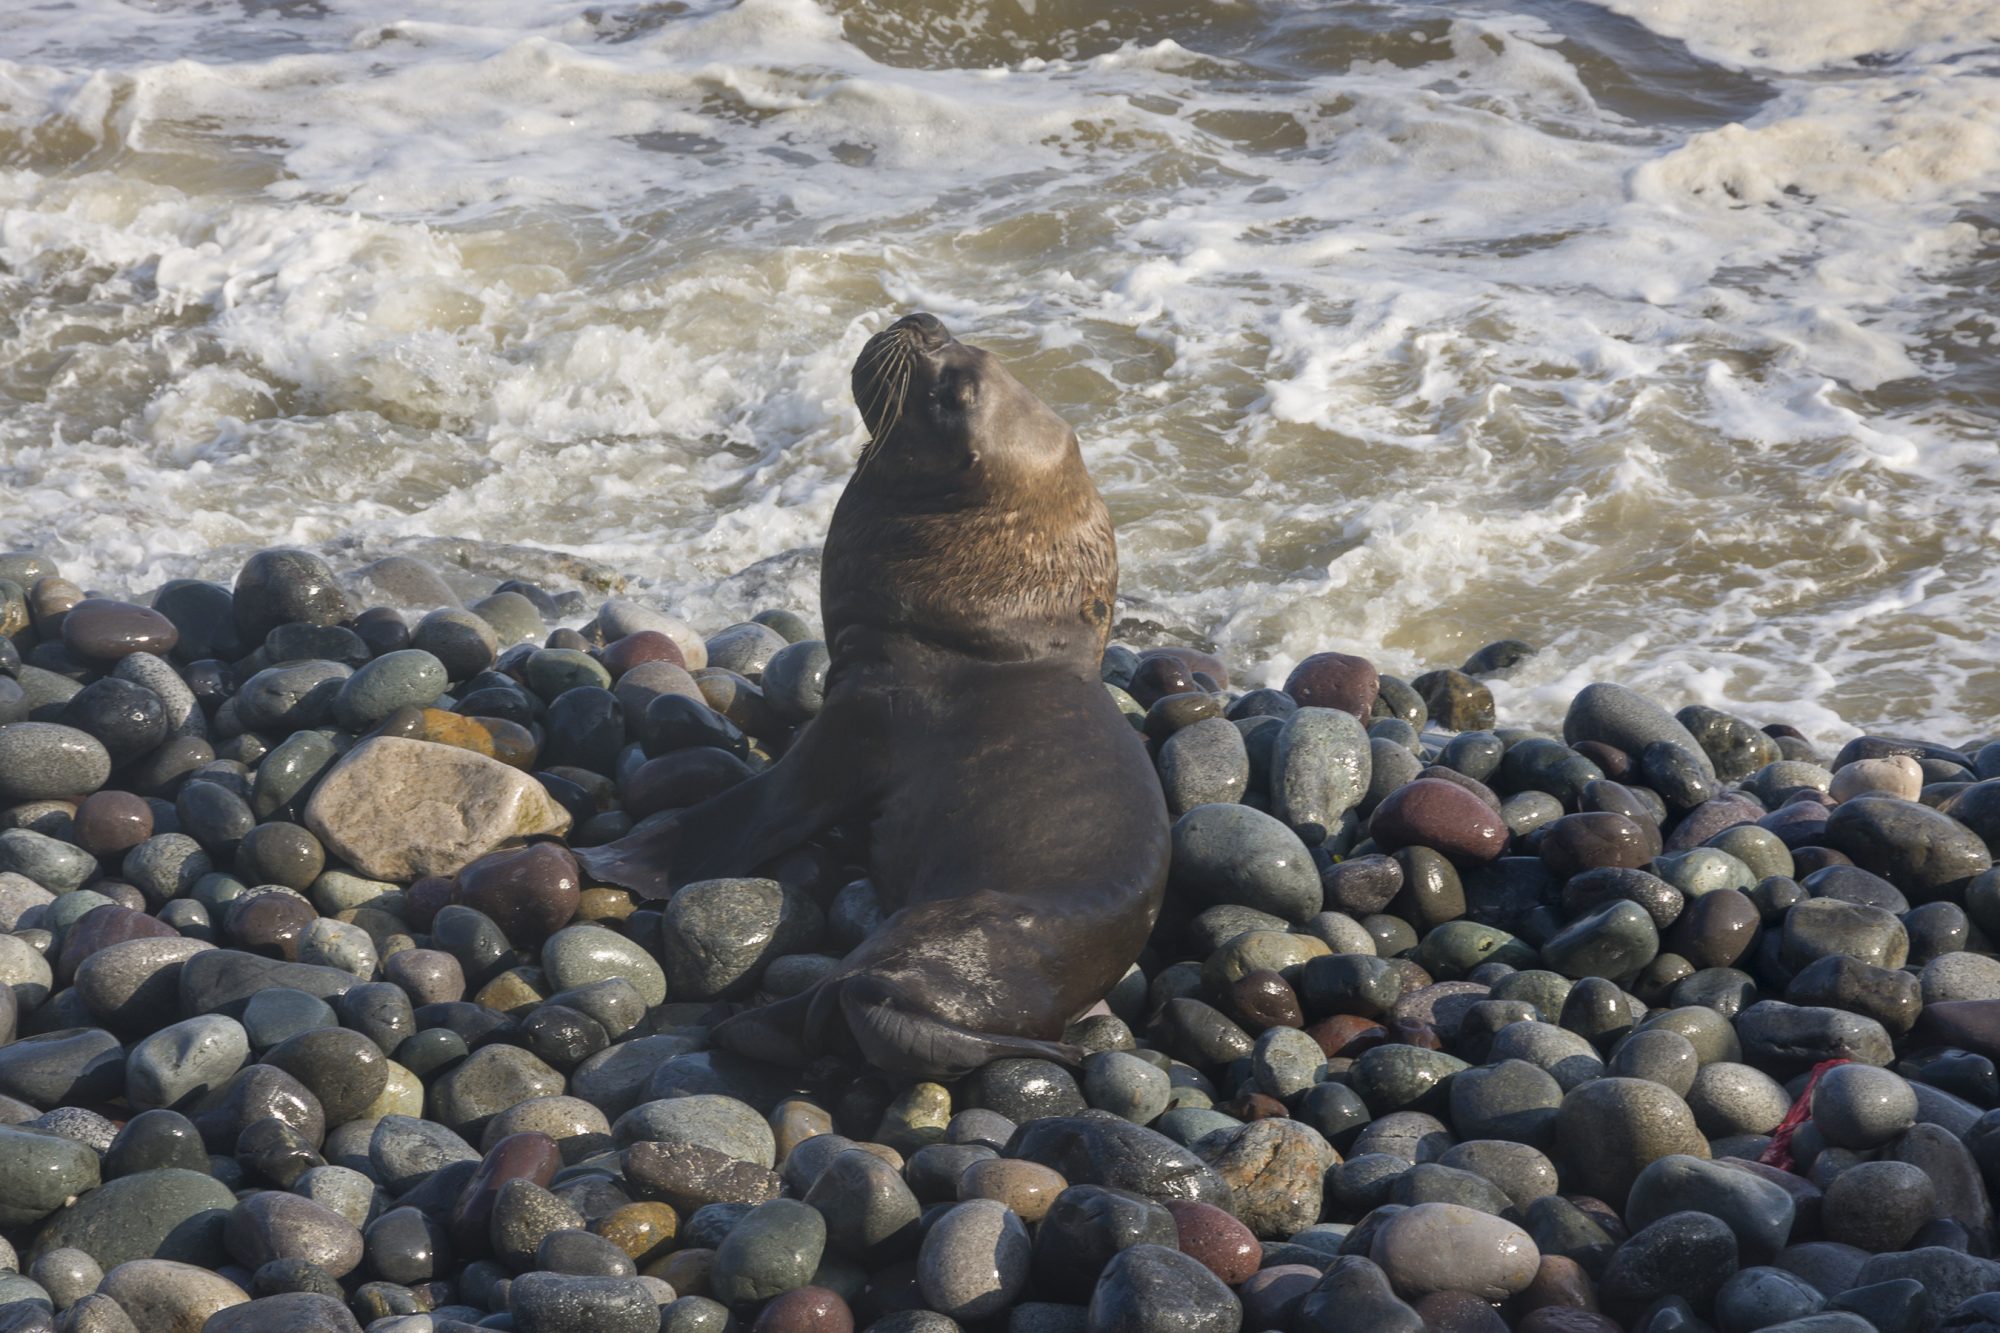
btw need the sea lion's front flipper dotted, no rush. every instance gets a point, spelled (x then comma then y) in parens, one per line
(641, 861)
(898, 1037)
(829, 773)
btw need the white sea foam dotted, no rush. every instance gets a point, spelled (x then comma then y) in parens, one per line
(1648, 331)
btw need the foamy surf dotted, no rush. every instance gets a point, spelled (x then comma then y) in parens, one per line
(1649, 333)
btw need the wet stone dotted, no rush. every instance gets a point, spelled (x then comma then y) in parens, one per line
(1685, 1254)
(774, 1249)
(1321, 764)
(46, 760)
(1234, 854)
(1153, 1289)
(1437, 1247)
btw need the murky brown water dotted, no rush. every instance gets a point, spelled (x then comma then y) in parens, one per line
(1670, 345)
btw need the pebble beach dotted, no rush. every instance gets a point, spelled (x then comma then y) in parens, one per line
(1639, 1020)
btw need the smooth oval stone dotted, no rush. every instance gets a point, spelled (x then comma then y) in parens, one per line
(1154, 1289)
(100, 630)
(773, 1250)
(127, 719)
(163, 1294)
(1236, 855)
(68, 1067)
(1788, 1039)
(490, 1080)
(1204, 763)
(461, 641)
(1628, 721)
(1716, 930)
(530, 893)
(1735, 748)
(403, 1245)
(1399, 1078)
(213, 815)
(39, 1173)
(1878, 1206)
(274, 1225)
(795, 679)
(1361, 885)
(1610, 1129)
(1892, 999)
(1616, 941)
(721, 1123)
(1510, 1099)
(153, 1139)
(1594, 840)
(294, 1311)
(1320, 769)
(717, 936)
(870, 1212)
(283, 586)
(182, 1063)
(165, 866)
(293, 697)
(586, 729)
(1758, 1212)
(42, 761)
(1923, 852)
(50, 862)
(343, 1068)
(166, 1213)
(815, 1309)
(203, 617)
(1828, 927)
(1685, 1254)
(568, 1303)
(1446, 1247)
(405, 679)
(1729, 1099)
(1538, 764)
(1440, 815)
(1089, 1150)
(974, 1261)
(1758, 1298)
(287, 775)
(1335, 680)
(1858, 1106)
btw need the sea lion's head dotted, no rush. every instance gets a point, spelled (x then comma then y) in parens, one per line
(946, 416)
(969, 522)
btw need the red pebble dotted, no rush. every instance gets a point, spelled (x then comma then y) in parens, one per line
(647, 645)
(1347, 1034)
(1566, 1319)
(1335, 680)
(525, 1156)
(805, 1310)
(423, 900)
(1220, 1243)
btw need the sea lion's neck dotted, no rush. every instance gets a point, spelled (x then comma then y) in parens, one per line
(1025, 572)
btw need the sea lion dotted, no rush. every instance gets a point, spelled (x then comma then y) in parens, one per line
(1014, 821)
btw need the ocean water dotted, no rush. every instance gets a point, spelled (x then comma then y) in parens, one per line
(1664, 334)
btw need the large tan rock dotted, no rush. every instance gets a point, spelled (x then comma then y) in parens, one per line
(162, 1296)
(398, 809)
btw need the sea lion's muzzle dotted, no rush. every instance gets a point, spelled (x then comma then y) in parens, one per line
(925, 330)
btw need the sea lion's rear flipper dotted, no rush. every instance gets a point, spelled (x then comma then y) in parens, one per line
(897, 1037)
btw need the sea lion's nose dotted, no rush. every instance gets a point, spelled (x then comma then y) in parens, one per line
(930, 330)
